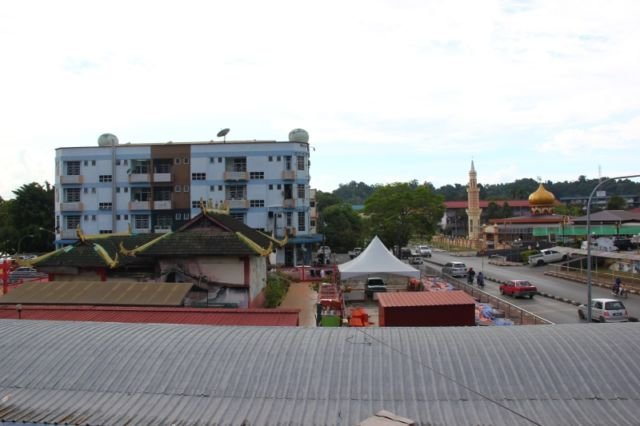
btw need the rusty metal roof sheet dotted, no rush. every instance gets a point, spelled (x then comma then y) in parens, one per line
(98, 293)
(160, 374)
(158, 315)
(425, 298)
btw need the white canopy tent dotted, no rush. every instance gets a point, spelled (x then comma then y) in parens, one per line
(376, 259)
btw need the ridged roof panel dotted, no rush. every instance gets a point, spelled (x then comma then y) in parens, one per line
(424, 298)
(102, 373)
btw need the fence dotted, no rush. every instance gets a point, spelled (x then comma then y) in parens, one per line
(599, 277)
(516, 314)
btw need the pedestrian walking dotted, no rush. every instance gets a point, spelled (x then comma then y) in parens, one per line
(471, 274)
(480, 279)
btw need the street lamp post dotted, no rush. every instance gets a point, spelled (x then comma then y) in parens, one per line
(589, 239)
(20, 241)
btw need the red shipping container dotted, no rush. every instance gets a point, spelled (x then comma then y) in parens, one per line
(426, 309)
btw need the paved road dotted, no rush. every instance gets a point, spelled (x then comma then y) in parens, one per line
(551, 309)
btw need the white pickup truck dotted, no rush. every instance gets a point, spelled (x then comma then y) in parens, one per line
(547, 256)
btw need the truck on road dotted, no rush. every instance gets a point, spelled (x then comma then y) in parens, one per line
(547, 256)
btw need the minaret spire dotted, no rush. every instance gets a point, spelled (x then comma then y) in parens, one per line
(473, 205)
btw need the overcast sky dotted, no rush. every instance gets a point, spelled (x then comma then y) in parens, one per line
(389, 91)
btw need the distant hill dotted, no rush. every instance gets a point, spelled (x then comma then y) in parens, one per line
(357, 192)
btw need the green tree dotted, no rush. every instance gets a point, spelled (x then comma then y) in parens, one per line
(342, 227)
(506, 210)
(493, 211)
(29, 213)
(398, 212)
(616, 202)
(573, 210)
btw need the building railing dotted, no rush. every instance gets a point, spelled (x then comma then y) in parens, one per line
(288, 175)
(162, 177)
(230, 175)
(71, 207)
(600, 277)
(139, 205)
(71, 179)
(162, 205)
(139, 177)
(237, 204)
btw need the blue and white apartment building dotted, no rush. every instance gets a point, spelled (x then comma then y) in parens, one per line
(157, 187)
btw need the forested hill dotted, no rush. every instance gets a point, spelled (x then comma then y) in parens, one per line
(357, 192)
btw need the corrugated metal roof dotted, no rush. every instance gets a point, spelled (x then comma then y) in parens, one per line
(98, 293)
(109, 373)
(425, 298)
(196, 316)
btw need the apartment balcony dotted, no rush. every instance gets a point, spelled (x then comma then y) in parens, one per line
(288, 175)
(141, 230)
(139, 178)
(71, 207)
(162, 205)
(139, 205)
(68, 234)
(236, 176)
(161, 229)
(162, 177)
(237, 204)
(289, 203)
(71, 179)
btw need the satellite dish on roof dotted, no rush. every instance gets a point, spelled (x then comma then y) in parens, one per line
(223, 133)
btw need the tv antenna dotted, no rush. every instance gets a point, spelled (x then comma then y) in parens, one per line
(223, 133)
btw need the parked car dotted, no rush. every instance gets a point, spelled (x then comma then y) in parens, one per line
(424, 251)
(455, 269)
(547, 256)
(355, 252)
(518, 288)
(374, 285)
(604, 310)
(22, 273)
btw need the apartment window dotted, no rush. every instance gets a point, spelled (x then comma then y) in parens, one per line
(86, 163)
(105, 231)
(71, 195)
(178, 216)
(236, 192)
(312, 203)
(219, 187)
(93, 217)
(300, 161)
(195, 204)
(117, 217)
(86, 218)
(238, 216)
(162, 194)
(211, 159)
(256, 175)
(126, 217)
(219, 159)
(198, 176)
(105, 178)
(271, 158)
(72, 168)
(279, 186)
(287, 162)
(301, 222)
(164, 222)
(185, 161)
(270, 186)
(139, 167)
(125, 162)
(301, 191)
(117, 162)
(162, 166)
(177, 188)
(104, 206)
(186, 216)
(212, 188)
(185, 188)
(93, 190)
(93, 162)
(72, 222)
(85, 190)
(177, 161)
(256, 203)
(278, 158)
(289, 219)
(141, 221)
(312, 222)
(236, 164)
(140, 194)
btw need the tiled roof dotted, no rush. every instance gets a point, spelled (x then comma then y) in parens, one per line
(84, 254)
(424, 298)
(139, 314)
(612, 216)
(160, 374)
(98, 293)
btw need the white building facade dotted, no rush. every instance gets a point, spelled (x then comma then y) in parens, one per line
(156, 188)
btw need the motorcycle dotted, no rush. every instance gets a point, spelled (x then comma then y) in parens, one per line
(622, 293)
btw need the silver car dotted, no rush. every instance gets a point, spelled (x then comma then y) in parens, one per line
(605, 310)
(455, 269)
(23, 273)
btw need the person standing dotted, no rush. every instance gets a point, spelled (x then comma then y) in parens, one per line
(471, 274)
(480, 279)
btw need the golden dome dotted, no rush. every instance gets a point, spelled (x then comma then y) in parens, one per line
(541, 197)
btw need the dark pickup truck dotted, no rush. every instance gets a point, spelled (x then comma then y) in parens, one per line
(518, 288)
